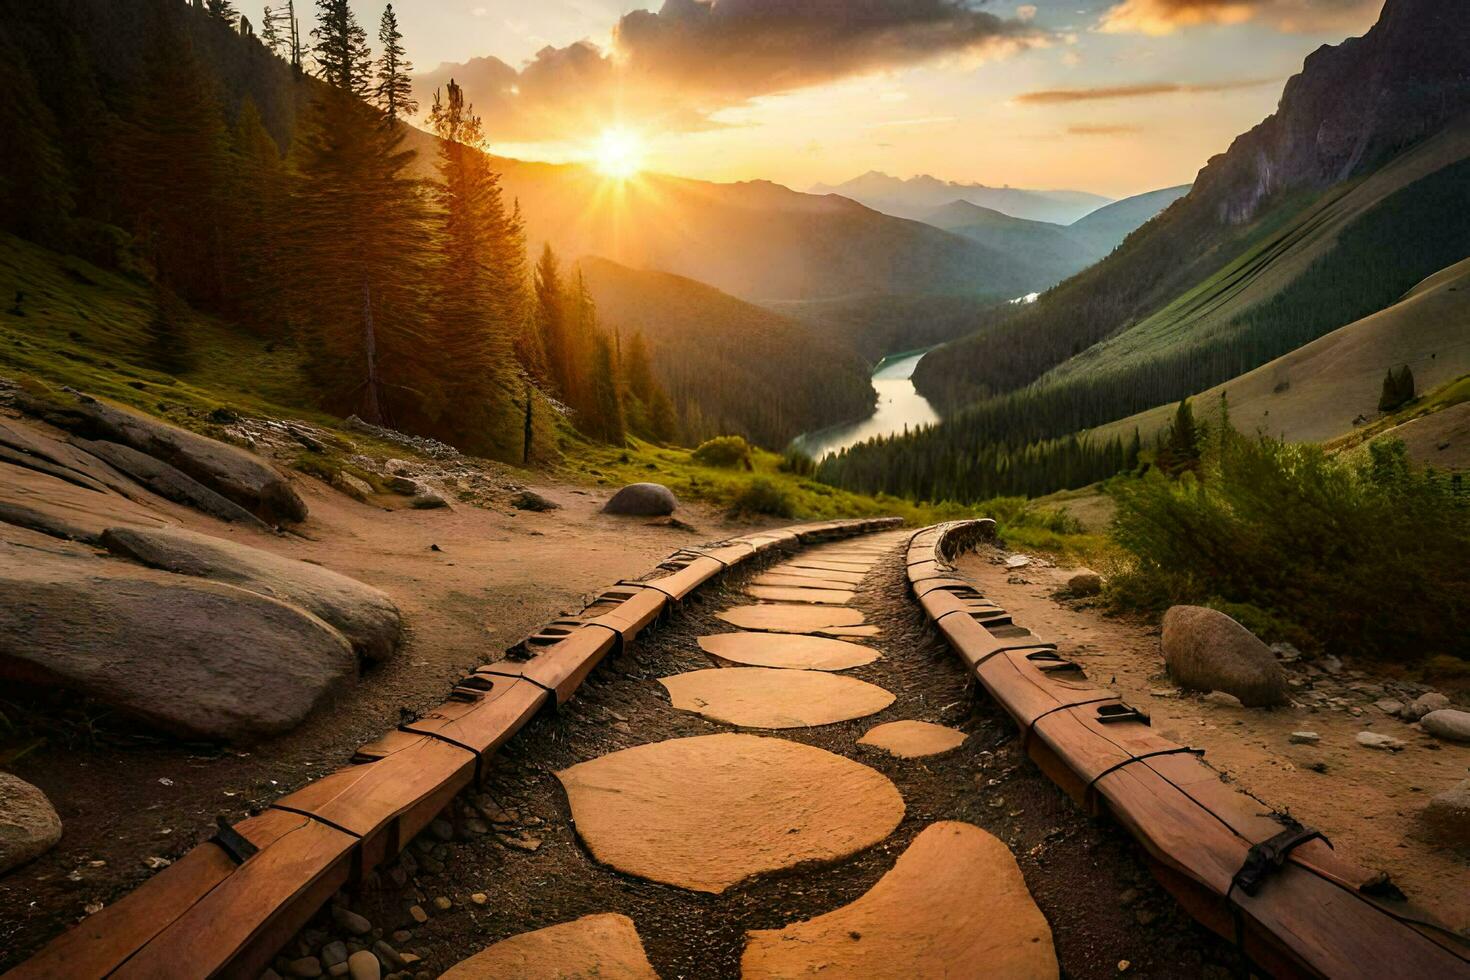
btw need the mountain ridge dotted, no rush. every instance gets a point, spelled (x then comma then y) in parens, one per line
(913, 197)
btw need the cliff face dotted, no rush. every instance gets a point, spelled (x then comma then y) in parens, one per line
(1353, 105)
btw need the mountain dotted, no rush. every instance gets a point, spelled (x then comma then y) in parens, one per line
(1325, 389)
(731, 367)
(1325, 212)
(1050, 250)
(918, 196)
(1105, 228)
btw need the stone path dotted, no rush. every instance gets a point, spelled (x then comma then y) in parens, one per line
(707, 813)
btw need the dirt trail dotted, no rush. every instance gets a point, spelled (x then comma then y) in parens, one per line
(1367, 802)
(513, 861)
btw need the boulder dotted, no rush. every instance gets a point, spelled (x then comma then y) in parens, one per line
(29, 826)
(43, 503)
(193, 657)
(1448, 724)
(1085, 583)
(427, 500)
(365, 616)
(355, 487)
(533, 501)
(1448, 815)
(642, 500)
(1424, 704)
(229, 471)
(30, 447)
(168, 481)
(1206, 650)
(1381, 742)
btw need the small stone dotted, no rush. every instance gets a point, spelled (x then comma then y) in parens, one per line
(1304, 738)
(1448, 815)
(1389, 706)
(443, 904)
(418, 913)
(528, 844)
(1286, 653)
(1223, 699)
(1145, 917)
(1128, 897)
(479, 898)
(351, 921)
(476, 826)
(401, 935)
(442, 829)
(156, 863)
(1085, 583)
(1424, 704)
(1018, 561)
(1448, 723)
(1383, 743)
(1164, 692)
(428, 500)
(340, 970)
(306, 967)
(532, 501)
(354, 487)
(1330, 664)
(388, 955)
(334, 953)
(363, 965)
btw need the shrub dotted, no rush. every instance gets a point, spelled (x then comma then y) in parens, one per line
(761, 496)
(798, 463)
(724, 451)
(1363, 553)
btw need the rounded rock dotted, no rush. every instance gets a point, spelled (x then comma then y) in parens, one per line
(363, 965)
(1206, 650)
(1448, 815)
(1449, 724)
(642, 500)
(29, 826)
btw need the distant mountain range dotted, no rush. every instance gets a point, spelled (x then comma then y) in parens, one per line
(920, 196)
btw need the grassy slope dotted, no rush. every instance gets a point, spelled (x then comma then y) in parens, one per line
(1315, 392)
(1286, 246)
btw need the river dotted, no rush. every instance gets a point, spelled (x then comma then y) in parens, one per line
(899, 405)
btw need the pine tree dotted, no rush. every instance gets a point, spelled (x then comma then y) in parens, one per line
(294, 24)
(222, 10)
(550, 312)
(258, 219)
(606, 416)
(168, 342)
(270, 31)
(36, 193)
(1180, 448)
(394, 94)
(340, 47)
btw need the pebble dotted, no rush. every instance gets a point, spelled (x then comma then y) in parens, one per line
(340, 970)
(442, 829)
(351, 921)
(1331, 664)
(1389, 706)
(388, 954)
(418, 913)
(528, 844)
(363, 965)
(1384, 743)
(1224, 699)
(306, 967)
(443, 904)
(402, 935)
(479, 898)
(1304, 738)
(334, 953)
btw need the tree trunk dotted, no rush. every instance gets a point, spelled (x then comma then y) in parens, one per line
(373, 407)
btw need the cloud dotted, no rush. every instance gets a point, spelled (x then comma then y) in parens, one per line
(1103, 130)
(1061, 96)
(1166, 16)
(675, 68)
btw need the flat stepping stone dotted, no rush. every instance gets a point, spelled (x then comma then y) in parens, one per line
(814, 574)
(954, 905)
(761, 697)
(823, 597)
(790, 618)
(604, 946)
(707, 812)
(802, 582)
(791, 651)
(866, 630)
(913, 739)
(817, 564)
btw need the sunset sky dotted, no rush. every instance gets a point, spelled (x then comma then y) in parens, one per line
(1111, 96)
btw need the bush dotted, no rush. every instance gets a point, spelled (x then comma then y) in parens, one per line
(724, 451)
(761, 496)
(798, 463)
(1364, 553)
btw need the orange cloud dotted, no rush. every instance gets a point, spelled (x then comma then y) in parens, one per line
(1167, 16)
(1061, 96)
(1104, 130)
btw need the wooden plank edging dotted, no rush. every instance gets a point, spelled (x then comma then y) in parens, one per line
(1317, 916)
(210, 915)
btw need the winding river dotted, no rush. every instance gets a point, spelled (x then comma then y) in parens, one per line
(900, 406)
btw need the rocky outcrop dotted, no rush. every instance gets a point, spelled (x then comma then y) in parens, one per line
(168, 482)
(642, 500)
(1206, 650)
(193, 657)
(229, 471)
(365, 616)
(29, 826)
(27, 446)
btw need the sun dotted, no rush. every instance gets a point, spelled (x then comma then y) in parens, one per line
(618, 153)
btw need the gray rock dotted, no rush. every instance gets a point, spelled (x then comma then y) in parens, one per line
(1223, 699)
(45, 522)
(1085, 583)
(354, 487)
(169, 482)
(229, 471)
(428, 500)
(1424, 704)
(363, 965)
(334, 952)
(29, 826)
(306, 968)
(190, 656)
(642, 500)
(365, 616)
(1448, 723)
(532, 501)
(1286, 653)
(1389, 706)
(389, 955)
(1304, 738)
(30, 447)
(1330, 665)
(350, 921)
(1206, 650)
(1383, 743)
(338, 969)
(1448, 815)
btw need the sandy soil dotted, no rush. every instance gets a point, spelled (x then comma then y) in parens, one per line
(1366, 801)
(496, 576)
